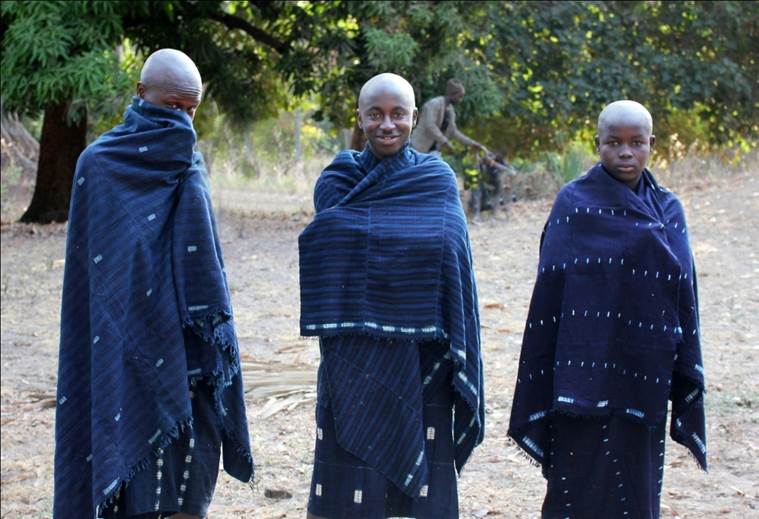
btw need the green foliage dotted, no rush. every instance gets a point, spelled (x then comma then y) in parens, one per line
(392, 51)
(537, 73)
(421, 41)
(559, 63)
(56, 51)
(567, 164)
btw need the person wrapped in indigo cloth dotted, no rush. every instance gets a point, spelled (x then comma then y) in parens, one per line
(612, 335)
(149, 385)
(387, 285)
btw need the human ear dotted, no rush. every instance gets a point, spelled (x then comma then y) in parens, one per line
(140, 90)
(359, 121)
(414, 117)
(598, 143)
(652, 140)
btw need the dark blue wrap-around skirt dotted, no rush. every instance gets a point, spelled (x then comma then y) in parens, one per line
(379, 402)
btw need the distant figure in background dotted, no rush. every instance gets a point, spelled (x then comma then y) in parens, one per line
(387, 285)
(437, 122)
(492, 189)
(358, 139)
(612, 335)
(149, 382)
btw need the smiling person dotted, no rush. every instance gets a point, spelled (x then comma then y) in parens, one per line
(149, 387)
(612, 334)
(387, 285)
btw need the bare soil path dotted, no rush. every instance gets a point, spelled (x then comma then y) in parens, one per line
(280, 366)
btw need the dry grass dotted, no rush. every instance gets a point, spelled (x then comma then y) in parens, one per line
(288, 186)
(262, 263)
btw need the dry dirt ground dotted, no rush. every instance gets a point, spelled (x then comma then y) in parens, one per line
(280, 366)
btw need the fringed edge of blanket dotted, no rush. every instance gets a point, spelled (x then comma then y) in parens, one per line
(517, 437)
(164, 440)
(522, 452)
(691, 444)
(215, 328)
(517, 434)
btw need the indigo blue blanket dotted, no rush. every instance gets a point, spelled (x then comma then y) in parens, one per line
(146, 311)
(388, 255)
(613, 324)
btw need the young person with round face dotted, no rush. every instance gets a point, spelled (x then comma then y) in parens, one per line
(387, 285)
(612, 335)
(624, 141)
(386, 114)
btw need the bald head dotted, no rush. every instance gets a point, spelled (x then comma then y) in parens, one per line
(387, 84)
(386, 113)
(625, 140)
(624, 113)
(169, 78)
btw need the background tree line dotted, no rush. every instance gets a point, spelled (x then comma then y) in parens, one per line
(537, 73)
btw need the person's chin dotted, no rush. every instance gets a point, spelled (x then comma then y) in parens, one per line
(388, 146)
(627, 174)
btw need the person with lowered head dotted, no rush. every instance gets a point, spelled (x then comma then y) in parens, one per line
(149, 386)
(437, 122)
(387, 285)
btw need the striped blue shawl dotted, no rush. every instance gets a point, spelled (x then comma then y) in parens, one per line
(613, 323)
(388, 255)
(145, 307)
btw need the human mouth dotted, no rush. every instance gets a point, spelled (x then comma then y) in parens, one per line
(388, 139)
(626, 168)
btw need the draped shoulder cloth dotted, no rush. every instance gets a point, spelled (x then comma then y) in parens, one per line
(388, 255)
(145, 308)
(613, 323)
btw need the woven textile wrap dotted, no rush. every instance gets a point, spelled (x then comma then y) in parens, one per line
(388, 255)
(613, 323)
(145, 307)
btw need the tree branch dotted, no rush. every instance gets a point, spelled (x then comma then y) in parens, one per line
(233, 22)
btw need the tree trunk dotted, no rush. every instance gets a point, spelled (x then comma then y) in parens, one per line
(61, 143)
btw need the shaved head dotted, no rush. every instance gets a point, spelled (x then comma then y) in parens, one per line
(386, 113)
(169, 78)
(625, 140)
(170, 68)
(624, 113)
(387, 83)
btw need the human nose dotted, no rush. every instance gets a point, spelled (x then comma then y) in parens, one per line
(387, 123)
(625, 152)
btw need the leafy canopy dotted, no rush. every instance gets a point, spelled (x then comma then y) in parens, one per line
(57, 51)
(537, 73)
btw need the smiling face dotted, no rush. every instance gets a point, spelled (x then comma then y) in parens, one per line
(386, 113)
